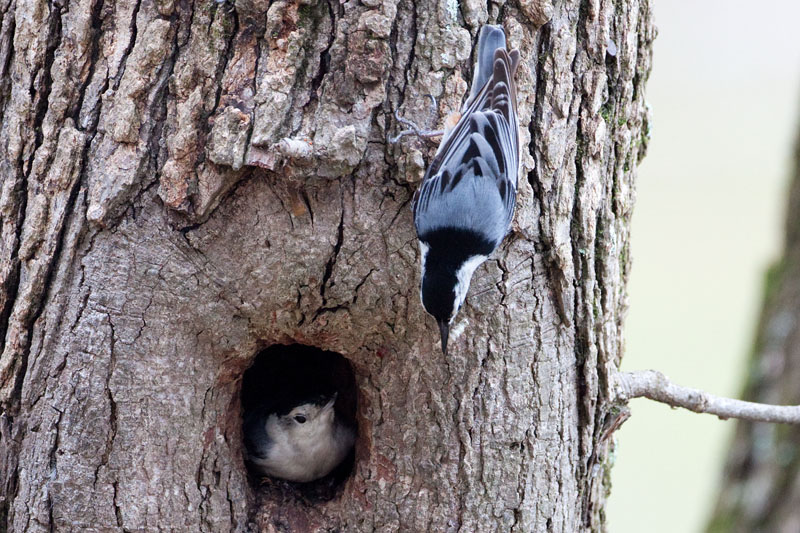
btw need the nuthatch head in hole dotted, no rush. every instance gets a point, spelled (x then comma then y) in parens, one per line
(463, 209)
(300, 442)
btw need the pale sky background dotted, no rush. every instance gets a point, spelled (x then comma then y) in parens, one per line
(725, 90)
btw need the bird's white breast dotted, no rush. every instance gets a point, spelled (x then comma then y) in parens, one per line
(307, 456)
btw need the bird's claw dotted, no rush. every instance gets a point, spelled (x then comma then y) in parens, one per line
(412, 128)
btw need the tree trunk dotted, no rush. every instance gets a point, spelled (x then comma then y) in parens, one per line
(761, 482)
(187, 183)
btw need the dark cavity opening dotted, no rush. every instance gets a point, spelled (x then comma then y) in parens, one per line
(287, 392)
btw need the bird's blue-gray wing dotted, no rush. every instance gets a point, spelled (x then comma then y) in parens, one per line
(473, 177)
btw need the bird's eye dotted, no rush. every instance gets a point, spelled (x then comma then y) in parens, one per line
(300, 419)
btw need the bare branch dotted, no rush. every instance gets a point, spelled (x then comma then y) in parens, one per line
(655, 386)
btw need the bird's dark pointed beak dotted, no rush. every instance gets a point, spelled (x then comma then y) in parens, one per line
(444, 329)
(331, 401)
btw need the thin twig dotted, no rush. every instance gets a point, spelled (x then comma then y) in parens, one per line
(655, 386)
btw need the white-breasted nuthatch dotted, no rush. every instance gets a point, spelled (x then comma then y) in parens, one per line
(300, 443)
(463, 209)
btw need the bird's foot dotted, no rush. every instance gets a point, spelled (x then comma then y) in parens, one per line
(413, 129)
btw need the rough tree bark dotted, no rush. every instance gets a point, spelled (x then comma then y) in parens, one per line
(186, 182)
(761, 483)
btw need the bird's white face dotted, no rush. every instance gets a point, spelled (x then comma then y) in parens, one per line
(305, 444)
(463, 277)
(423, 253)
(307, 422)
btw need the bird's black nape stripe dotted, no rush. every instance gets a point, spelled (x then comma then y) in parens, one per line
(451, 247)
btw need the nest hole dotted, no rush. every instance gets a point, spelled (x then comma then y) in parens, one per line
(281, 378)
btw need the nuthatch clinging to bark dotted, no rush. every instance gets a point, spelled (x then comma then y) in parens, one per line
(464, 207)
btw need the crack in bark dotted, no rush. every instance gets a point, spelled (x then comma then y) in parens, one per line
(112, 405)
(360, 284)
(129, 48)
(6, 39)
(285, 209)
(38, 303)
(20, 190)
(10, 287)
(94, 54)
(42, 103)
(544, 37)
(202, 507)
(583, 271)
(304, 196)
(324, 58)
(403, 205)
(393, 104)
(326, 276)
(219, 75)
(82, 305)
(299, 305)
(52, 465)
(117, 509)
(151, 164)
